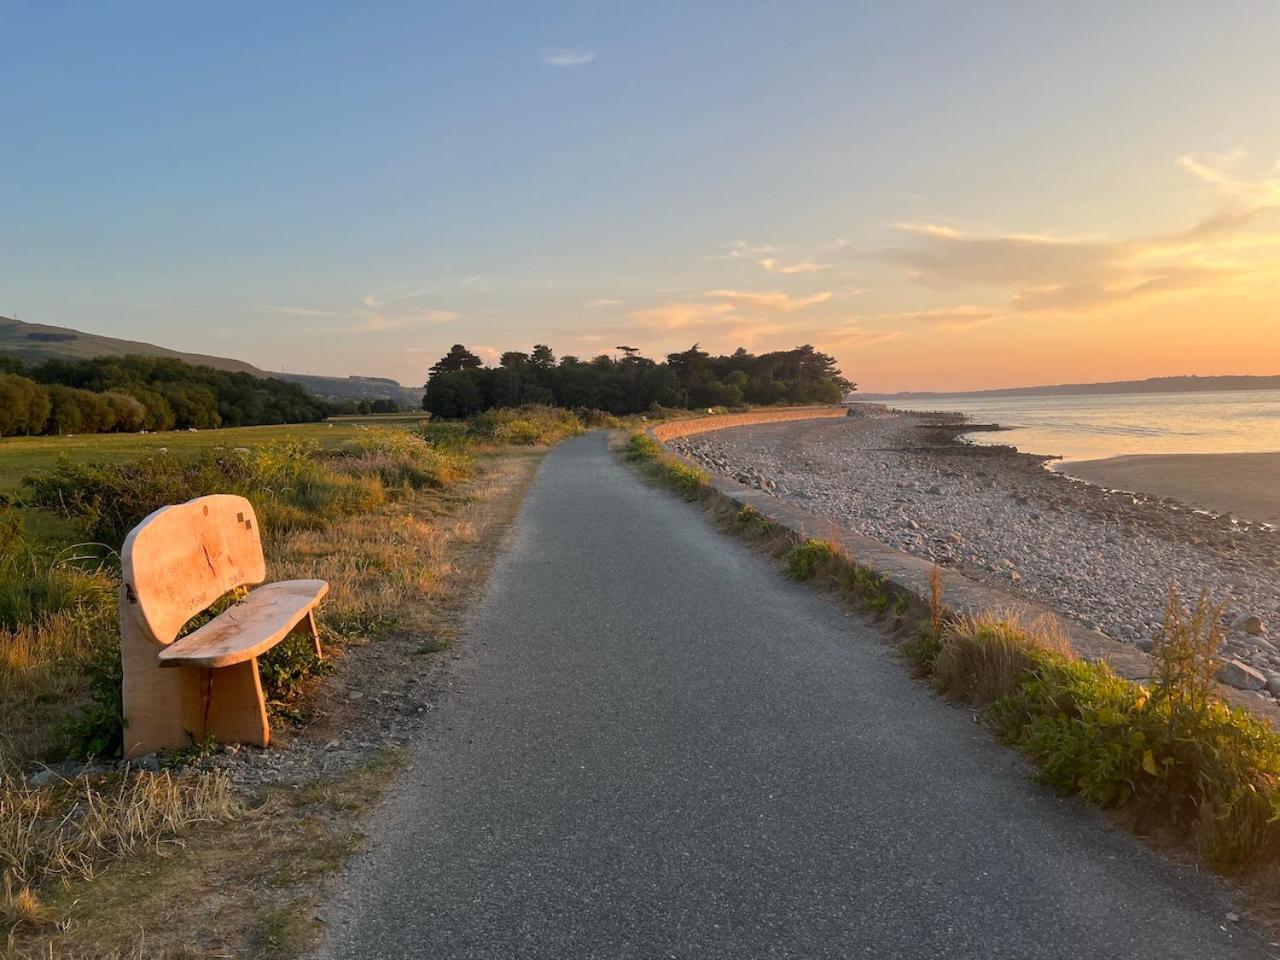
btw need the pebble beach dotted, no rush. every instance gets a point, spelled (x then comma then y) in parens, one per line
(1104, 558)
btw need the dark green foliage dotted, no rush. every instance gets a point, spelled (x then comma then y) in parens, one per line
(98, 729)
(459, 385)
(144, 393)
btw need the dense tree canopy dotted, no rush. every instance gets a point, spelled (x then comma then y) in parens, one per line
(142, 393)
(460, 385)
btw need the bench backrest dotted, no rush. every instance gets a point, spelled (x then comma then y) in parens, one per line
(182, 558)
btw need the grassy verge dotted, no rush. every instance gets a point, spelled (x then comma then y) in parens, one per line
(1168, 757)
(402, 523)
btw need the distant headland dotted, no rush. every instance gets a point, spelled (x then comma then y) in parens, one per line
(1189, 384)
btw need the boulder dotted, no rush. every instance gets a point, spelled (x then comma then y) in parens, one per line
(1241, 676)
(1252, 626)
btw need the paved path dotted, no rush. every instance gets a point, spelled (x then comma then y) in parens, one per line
(661, 748)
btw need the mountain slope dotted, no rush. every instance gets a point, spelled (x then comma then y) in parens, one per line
(36, 342)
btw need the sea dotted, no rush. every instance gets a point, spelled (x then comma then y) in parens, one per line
(1109, 425)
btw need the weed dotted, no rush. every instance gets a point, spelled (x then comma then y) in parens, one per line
(641, 446)
(805, 560)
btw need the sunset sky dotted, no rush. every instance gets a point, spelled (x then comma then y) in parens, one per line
(945, 196)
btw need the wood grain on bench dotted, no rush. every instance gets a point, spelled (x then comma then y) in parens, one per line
(249, 628)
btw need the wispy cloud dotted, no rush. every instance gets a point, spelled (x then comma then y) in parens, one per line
(302, 312)
(946, 318)
(476, 281)
(770, 299)
(1042, 273)
(603, 302)
(743, 250)
(564, 57)
(773, 265)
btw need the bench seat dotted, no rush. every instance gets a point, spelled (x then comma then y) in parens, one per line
(249, 628)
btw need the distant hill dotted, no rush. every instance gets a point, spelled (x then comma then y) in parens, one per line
(1154, 385)
(36, 342)
(356, 388)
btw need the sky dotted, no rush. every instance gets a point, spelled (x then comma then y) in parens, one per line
(944, 196)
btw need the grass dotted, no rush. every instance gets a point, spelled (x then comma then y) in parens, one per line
(402, 565)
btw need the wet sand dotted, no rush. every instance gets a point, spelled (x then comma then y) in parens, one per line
(1246, 485)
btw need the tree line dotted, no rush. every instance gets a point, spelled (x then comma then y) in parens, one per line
(459, 384)
(132, 393)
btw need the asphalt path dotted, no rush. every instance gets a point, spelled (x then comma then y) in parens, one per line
(659, 747)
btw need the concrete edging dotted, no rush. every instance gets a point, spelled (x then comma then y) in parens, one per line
(663, 432)
(909, 575)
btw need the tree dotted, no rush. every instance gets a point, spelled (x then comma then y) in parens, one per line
(542, 357)
(453, 394)
(458, 358)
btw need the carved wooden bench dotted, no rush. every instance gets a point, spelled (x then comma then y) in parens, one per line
(175, 564)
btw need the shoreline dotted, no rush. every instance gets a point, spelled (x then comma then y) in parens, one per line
(1238, 484)
(1244, 485)
(1104, 558)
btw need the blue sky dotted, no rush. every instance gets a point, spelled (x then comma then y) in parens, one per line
(943, 195)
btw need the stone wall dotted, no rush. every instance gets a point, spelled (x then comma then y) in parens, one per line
(684, 428)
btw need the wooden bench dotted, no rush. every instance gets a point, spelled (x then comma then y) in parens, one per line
(175, 564)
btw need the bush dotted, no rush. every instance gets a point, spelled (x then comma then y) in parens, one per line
(806, 560)
(525, 426)
(402, 459)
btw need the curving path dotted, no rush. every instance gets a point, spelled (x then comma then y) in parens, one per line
(660, 748)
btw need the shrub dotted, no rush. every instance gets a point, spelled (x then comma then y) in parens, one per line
(525, 426)
(402, 459)
(1173, 755)
(806, 559)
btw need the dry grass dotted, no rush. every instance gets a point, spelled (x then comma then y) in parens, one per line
(400, 575)
(66, 830)
(985, 656)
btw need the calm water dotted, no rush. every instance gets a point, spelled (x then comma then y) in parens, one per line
(1084, 428)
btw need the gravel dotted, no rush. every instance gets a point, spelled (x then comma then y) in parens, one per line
(1103, 558)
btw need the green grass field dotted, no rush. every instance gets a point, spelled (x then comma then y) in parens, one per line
(22, 456)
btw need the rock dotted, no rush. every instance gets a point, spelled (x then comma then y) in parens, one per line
(1252, 626)
(1273, 683)
(912, 525)
(40, 777)
(1144, 644)
(1241, 676)
(148, 762)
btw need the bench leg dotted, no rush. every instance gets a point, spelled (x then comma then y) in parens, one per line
(163, 708)
(236, 711)
(307, 626)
